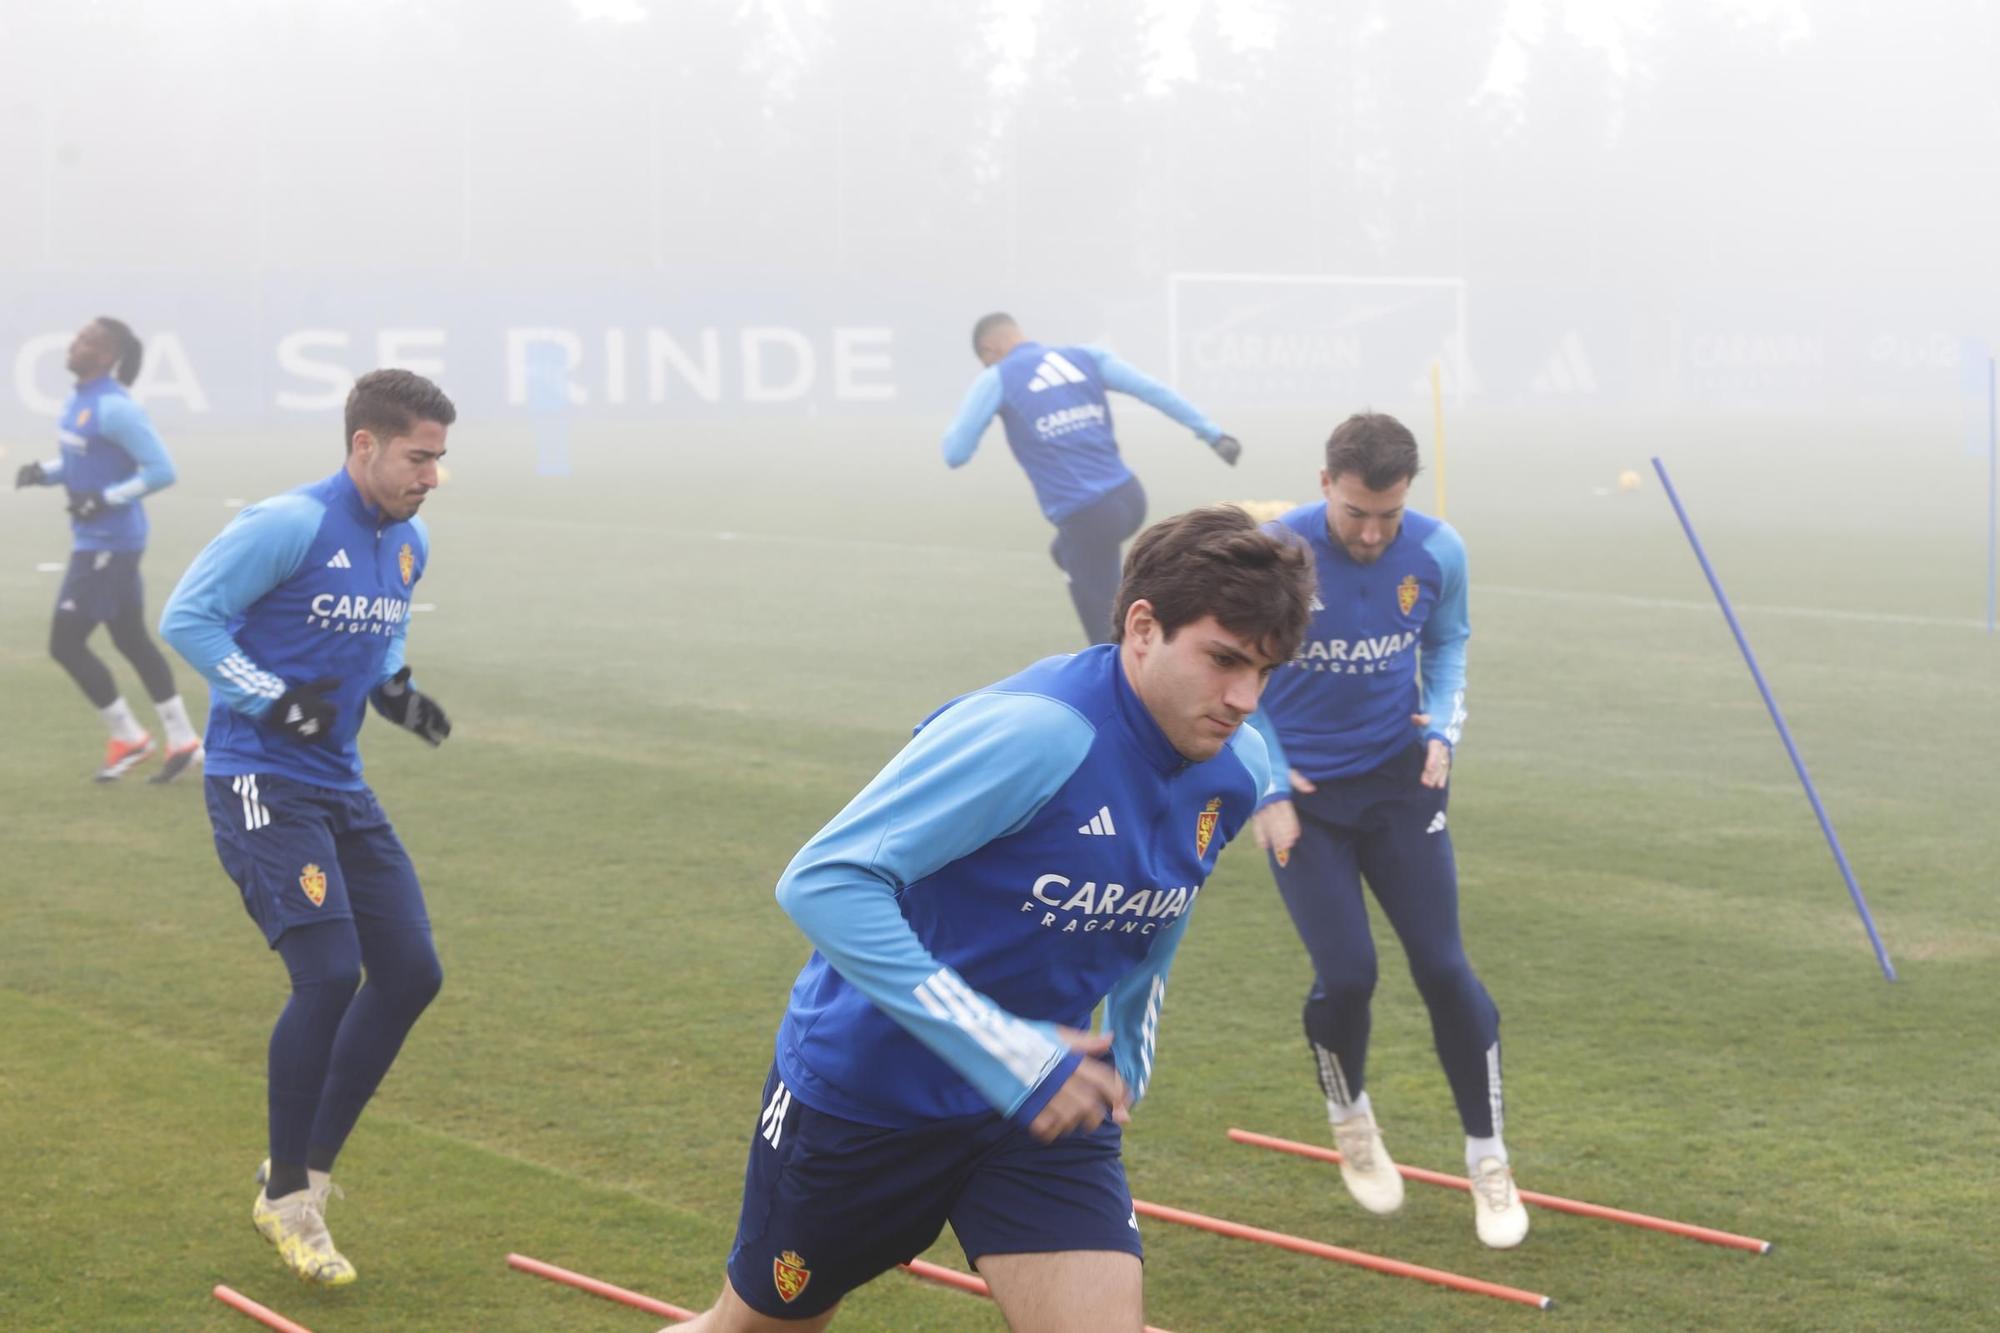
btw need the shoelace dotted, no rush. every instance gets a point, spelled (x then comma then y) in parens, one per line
(1495, 1188)
(1357, 1145)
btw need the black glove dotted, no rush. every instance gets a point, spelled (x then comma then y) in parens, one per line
(87, 504)
(1227, 449)
(411, 709)
(303, 714)
(31, 474)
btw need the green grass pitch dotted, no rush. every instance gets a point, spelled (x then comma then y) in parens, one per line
(652, 715)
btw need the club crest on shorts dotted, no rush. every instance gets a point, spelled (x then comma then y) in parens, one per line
(1204, 825)
(406, 562)
(312, 881)
(1406, 593)
(790, 1274)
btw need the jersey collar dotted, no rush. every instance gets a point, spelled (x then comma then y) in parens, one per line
(1139, 723)
(351, 501)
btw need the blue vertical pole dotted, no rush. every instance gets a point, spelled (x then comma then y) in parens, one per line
(1992, 502)
(1784, 732)
(548, 400)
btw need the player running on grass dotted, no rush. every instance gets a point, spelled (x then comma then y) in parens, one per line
(1036, 848)
(297, 614)
(111, 459)
(1051, 401)
(1361, 735)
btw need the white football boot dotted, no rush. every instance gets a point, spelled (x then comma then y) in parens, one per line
(1365, 1167)
(1501, 1217)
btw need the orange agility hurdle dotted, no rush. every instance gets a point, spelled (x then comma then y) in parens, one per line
(951, 1277)
(1708, 1235)
(609, 1291)
(1300, 1245)
(242, 1304)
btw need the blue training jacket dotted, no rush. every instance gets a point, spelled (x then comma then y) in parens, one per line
(1342, 705)
(1035, 848)
(109, 446)
(1051, 401)
(307, 586)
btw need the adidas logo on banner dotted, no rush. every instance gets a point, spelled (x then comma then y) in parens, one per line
(1318, 605)
(1055, 369)
(1568, 370)
(1437, 823)
(1100, 824)
(340, 560)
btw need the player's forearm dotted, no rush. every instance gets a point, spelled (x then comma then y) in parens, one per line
(141, 484)
(1129, 380)
(1443, 696)
(961, 438)
(1280, 785)
(231, 673)
(850, 915)
(1132, 1010)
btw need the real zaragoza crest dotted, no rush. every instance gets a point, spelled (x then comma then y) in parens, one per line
(1406, 593)
(790, 1274)
(1204, 825)
(406, 561)
(312, 882)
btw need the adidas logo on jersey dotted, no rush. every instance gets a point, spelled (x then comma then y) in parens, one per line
(1318, 605)
(1099, 825)
(1055, 369)
(1437, 823)
(340, 560)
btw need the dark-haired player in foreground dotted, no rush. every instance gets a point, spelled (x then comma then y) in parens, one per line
(1035, 849)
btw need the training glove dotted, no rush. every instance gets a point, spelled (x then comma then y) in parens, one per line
(31, 474)
(302, 712)
(1227, 448)
(87, 505)
(411, 709)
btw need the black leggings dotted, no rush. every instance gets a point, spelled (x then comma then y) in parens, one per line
(68, 635)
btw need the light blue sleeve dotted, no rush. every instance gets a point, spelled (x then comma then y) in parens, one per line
(261, 548)
(124, 423)
(1442, 640)
(982, 400)
(1125, 379)
(979, 771)
(393, 660)
(1279, 785)
(1132, 1010)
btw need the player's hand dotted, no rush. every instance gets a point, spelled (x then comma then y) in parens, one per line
(303, 713)
(87, 504)
(1437, 760)
(411, 709)
(31, 474)
(1227, 448)
(1091, 1094)
(1276, 827)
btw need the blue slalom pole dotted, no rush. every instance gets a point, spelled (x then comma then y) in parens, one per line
(1992, 502)
(1784, 732)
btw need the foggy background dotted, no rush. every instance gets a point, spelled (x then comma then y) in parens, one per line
(779, 207)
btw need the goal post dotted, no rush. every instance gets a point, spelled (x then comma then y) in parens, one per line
(1317, 340)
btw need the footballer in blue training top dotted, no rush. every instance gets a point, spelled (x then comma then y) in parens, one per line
(1360, 726)
(1058, 421)
(298, 615)
(111, 459)
(1036, 849)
